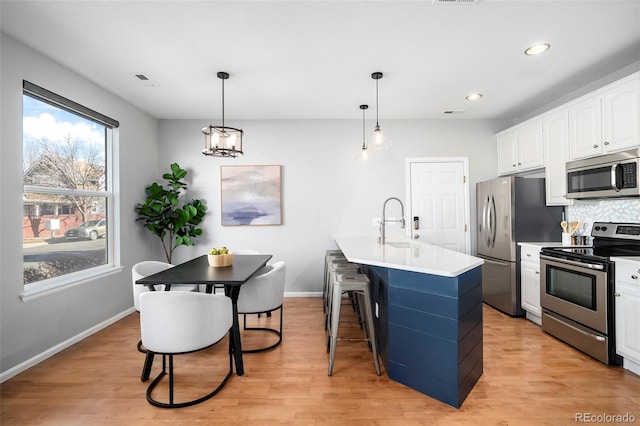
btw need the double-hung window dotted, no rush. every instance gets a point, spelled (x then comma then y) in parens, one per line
(68, 198)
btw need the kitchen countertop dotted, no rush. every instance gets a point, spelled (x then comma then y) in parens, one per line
(407, 255)
(626, 259)
(548, 244)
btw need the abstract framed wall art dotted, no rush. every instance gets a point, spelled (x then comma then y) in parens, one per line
(251, 195)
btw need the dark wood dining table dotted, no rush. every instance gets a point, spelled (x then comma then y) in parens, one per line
(198, 271)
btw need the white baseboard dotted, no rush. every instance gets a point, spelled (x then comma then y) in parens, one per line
(6, 375)
(304, 294)
(632, 366)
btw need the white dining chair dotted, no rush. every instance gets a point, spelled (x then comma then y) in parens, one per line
(177, 323)
(144, 269)
(150, 267)
(263, 293)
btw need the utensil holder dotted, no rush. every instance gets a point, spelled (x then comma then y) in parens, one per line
(566, 239)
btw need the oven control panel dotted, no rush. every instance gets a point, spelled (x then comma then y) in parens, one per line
(616, 230)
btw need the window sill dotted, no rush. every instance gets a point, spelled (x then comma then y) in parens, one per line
(80, 278)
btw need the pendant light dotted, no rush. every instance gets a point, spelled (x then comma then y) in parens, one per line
(378, 140)
(364, 153)
(222, 141)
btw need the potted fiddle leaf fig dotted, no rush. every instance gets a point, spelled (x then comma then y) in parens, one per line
(161, 213)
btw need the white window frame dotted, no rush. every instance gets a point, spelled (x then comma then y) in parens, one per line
(47, 286)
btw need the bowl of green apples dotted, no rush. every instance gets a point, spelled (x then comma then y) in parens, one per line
(219, 257)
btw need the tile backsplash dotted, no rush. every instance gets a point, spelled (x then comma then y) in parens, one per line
(591, 211)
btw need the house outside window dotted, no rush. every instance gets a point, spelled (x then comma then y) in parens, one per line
(68, 196)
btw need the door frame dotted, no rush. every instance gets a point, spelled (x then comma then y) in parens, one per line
(467, 213)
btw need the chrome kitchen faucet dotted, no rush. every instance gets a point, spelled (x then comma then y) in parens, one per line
(384, 218)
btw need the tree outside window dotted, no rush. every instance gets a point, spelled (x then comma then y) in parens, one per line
(66, 196)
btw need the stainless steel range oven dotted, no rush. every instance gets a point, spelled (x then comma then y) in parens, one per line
(577, 286)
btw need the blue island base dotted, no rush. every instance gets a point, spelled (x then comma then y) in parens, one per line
(430, 330)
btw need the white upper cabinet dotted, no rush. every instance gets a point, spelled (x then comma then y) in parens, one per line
(585, 128)
(530, 146)
(521, 148)
(622, 115)
(606, 121)
(507, 152)
(555, 131)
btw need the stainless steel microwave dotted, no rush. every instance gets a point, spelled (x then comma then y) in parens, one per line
(606, 176)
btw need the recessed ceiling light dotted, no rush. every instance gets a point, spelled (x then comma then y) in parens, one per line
(537, 49)
(474, 96)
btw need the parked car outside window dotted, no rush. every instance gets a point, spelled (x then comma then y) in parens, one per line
(91, 229)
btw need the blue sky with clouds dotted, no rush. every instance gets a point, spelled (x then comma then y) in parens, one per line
(45, 123)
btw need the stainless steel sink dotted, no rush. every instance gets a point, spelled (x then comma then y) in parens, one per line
(401, 244)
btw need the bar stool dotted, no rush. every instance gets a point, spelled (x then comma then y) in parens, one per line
(329, 265)
(359, 285)
(329, 256)
(339, 266)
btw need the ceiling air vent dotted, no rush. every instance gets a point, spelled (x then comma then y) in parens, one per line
(454, 1)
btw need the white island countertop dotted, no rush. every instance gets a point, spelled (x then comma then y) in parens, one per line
(407, 255)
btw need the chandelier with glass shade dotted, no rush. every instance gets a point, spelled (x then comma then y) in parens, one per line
(222, 141)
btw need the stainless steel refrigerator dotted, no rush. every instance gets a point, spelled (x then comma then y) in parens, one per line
(509, 210)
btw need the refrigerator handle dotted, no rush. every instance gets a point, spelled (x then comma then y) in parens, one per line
(486, 223)
(494, 222)
(496, 262)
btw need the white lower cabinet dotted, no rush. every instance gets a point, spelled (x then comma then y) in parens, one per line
(627, 305)
(530, 281)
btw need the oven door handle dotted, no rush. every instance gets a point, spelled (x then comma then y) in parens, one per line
(573, 262)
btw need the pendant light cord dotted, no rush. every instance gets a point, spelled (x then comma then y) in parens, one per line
(364, 131)
(222, 104)
(377, 124)
(364, 139)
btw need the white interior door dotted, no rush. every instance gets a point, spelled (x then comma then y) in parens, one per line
(439, 199)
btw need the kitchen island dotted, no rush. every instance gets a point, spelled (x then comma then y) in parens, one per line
(428, 312)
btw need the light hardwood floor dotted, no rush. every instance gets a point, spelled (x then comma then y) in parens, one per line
(529, 378)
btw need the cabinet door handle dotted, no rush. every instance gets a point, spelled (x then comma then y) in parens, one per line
(519, 164)
(537, 272)
(606, 143)
(616, 294)
(595, 146)
(635, 277)
(528, 254)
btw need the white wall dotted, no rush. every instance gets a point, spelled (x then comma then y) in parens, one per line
(30, 328)
(325, 191)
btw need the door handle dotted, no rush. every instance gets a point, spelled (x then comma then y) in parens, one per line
(488, 222)
(614, 180)
(497, 262)
(494, 222)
